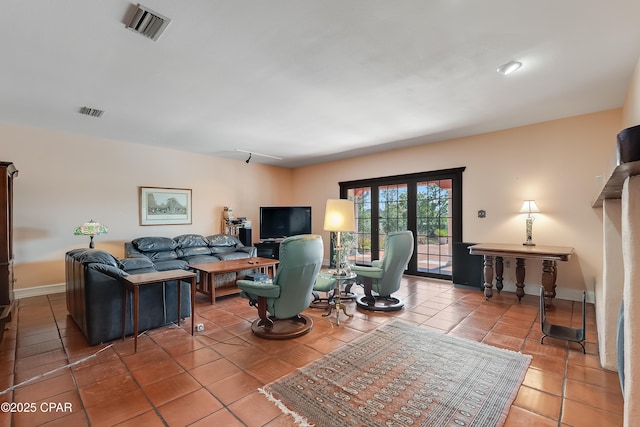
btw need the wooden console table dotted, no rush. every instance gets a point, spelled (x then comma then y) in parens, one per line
(208, 270)
(133, 282)
(548, 254)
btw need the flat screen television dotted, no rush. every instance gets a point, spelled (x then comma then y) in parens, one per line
(278, 222)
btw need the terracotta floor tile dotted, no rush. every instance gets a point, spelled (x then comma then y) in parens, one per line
(163, 391)
(234, 387)
(539, 402)
(69, 401)
(301, 355)
(549, 364)
(121, 407)
(544, 381)
(214, 371)
(76, 419)
(578, 414)
(223, 417)
(190, 408)
(86, 374)
(45, 387)
(157, 371)
(148, 419)
(270, 369)
(177, 379)
(503, 341)
(510, 329)
(262, 411)
(197, 358)
(598, 397)
(593, 376)
(109, 389)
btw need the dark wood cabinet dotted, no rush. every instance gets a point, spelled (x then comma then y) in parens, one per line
(8, 172)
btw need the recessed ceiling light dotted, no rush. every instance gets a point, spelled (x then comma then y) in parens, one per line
(509, 67)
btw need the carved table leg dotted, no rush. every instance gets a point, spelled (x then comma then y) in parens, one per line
(488, 276)
(520, 273)
(549, 274)
(499, 273)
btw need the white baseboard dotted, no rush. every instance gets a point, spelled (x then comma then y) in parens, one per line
(39, 290)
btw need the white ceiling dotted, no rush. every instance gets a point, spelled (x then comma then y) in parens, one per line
(313, 80)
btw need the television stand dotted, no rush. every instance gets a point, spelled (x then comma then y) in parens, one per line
(268, 249)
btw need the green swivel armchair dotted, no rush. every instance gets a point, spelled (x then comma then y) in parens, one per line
(384, 276)
(281, 301)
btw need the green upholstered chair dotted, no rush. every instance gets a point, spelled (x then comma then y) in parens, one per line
(281, 301)
(384, 276)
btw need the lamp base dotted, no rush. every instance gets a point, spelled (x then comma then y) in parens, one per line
(528, 244)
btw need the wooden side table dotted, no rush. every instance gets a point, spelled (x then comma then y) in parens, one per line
(132, 284)
(548, 254)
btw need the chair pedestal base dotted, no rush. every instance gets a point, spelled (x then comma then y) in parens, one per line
(283, 329)
(381, 303)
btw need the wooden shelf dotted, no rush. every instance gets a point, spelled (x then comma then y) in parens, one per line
(627, 164)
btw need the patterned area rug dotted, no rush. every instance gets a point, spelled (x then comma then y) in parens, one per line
(402, 375)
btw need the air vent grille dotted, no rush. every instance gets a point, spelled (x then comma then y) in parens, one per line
(148, 23)
(93, 112)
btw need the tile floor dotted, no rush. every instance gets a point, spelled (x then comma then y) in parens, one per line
(211, 379)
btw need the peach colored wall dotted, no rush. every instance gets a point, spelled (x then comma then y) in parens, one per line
(556, 163)
(631, 108)
(65, 180)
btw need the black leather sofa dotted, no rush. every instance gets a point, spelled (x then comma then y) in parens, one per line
(95, 292)
(188, 249)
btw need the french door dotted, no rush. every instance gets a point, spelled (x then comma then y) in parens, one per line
(428, 203)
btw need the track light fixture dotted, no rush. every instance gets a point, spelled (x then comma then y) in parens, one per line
(250, 153)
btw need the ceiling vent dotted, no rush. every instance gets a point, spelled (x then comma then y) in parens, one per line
(147, 22)
(93, 112)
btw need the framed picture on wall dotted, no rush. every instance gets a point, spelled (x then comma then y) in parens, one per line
(165, 206)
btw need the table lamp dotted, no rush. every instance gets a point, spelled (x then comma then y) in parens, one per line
(339, 217)
(529, 207)
(91, 228)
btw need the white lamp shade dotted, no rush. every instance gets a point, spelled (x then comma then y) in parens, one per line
(339, 215)
(529, 206)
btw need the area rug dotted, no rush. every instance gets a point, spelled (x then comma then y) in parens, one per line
(403, 375)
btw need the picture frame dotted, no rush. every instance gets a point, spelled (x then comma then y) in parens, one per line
(164, 206)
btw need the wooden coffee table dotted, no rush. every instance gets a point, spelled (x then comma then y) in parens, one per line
(133, 282)
(208, 271)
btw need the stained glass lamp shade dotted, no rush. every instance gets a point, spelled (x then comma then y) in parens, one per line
(91, 228)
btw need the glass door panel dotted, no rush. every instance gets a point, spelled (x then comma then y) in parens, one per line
(392, 212)
(434, 226)
(360, 249)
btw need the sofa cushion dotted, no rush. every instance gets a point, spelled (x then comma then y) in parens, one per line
(191, 241)
(193, 251)
(154, 244)
(200, 259)
(226, 256)
(224, 240)
(171, 264)
(162, 256)
(97, 256)
(128, 264)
